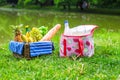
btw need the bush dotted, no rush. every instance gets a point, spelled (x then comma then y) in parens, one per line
(2, 2)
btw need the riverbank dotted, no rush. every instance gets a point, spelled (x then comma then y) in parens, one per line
(60, 9)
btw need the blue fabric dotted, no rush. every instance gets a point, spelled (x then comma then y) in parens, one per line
(16, 47)
(40, 48)
(36, 48)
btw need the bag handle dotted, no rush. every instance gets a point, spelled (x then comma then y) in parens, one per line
(81, 47)
(65, 46)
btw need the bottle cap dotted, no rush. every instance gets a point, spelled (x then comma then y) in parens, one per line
(66, 21)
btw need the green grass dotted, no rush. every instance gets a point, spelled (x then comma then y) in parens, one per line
(104, 65)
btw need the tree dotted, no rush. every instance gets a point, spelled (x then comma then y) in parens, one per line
(2, 2)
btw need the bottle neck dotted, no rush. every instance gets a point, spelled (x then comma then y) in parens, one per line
(66, 24)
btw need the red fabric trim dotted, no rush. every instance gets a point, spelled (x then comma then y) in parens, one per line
(93, 30)
(81, 46)
(65, 46)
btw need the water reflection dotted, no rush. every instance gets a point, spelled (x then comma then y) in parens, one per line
(39, 18)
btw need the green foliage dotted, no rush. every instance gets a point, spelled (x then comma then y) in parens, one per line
(24, 2)
(56, 1)
(106, 3)
(42, 1)
(96, 3)
(2, 2)
(21, 2)
(27, 1)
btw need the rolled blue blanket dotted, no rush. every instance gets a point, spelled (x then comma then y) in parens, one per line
(16, 47)
(40, 48)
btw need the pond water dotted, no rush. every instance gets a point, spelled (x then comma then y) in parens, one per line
(50, 18)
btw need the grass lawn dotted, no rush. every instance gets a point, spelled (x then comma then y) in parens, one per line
(104, 65)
